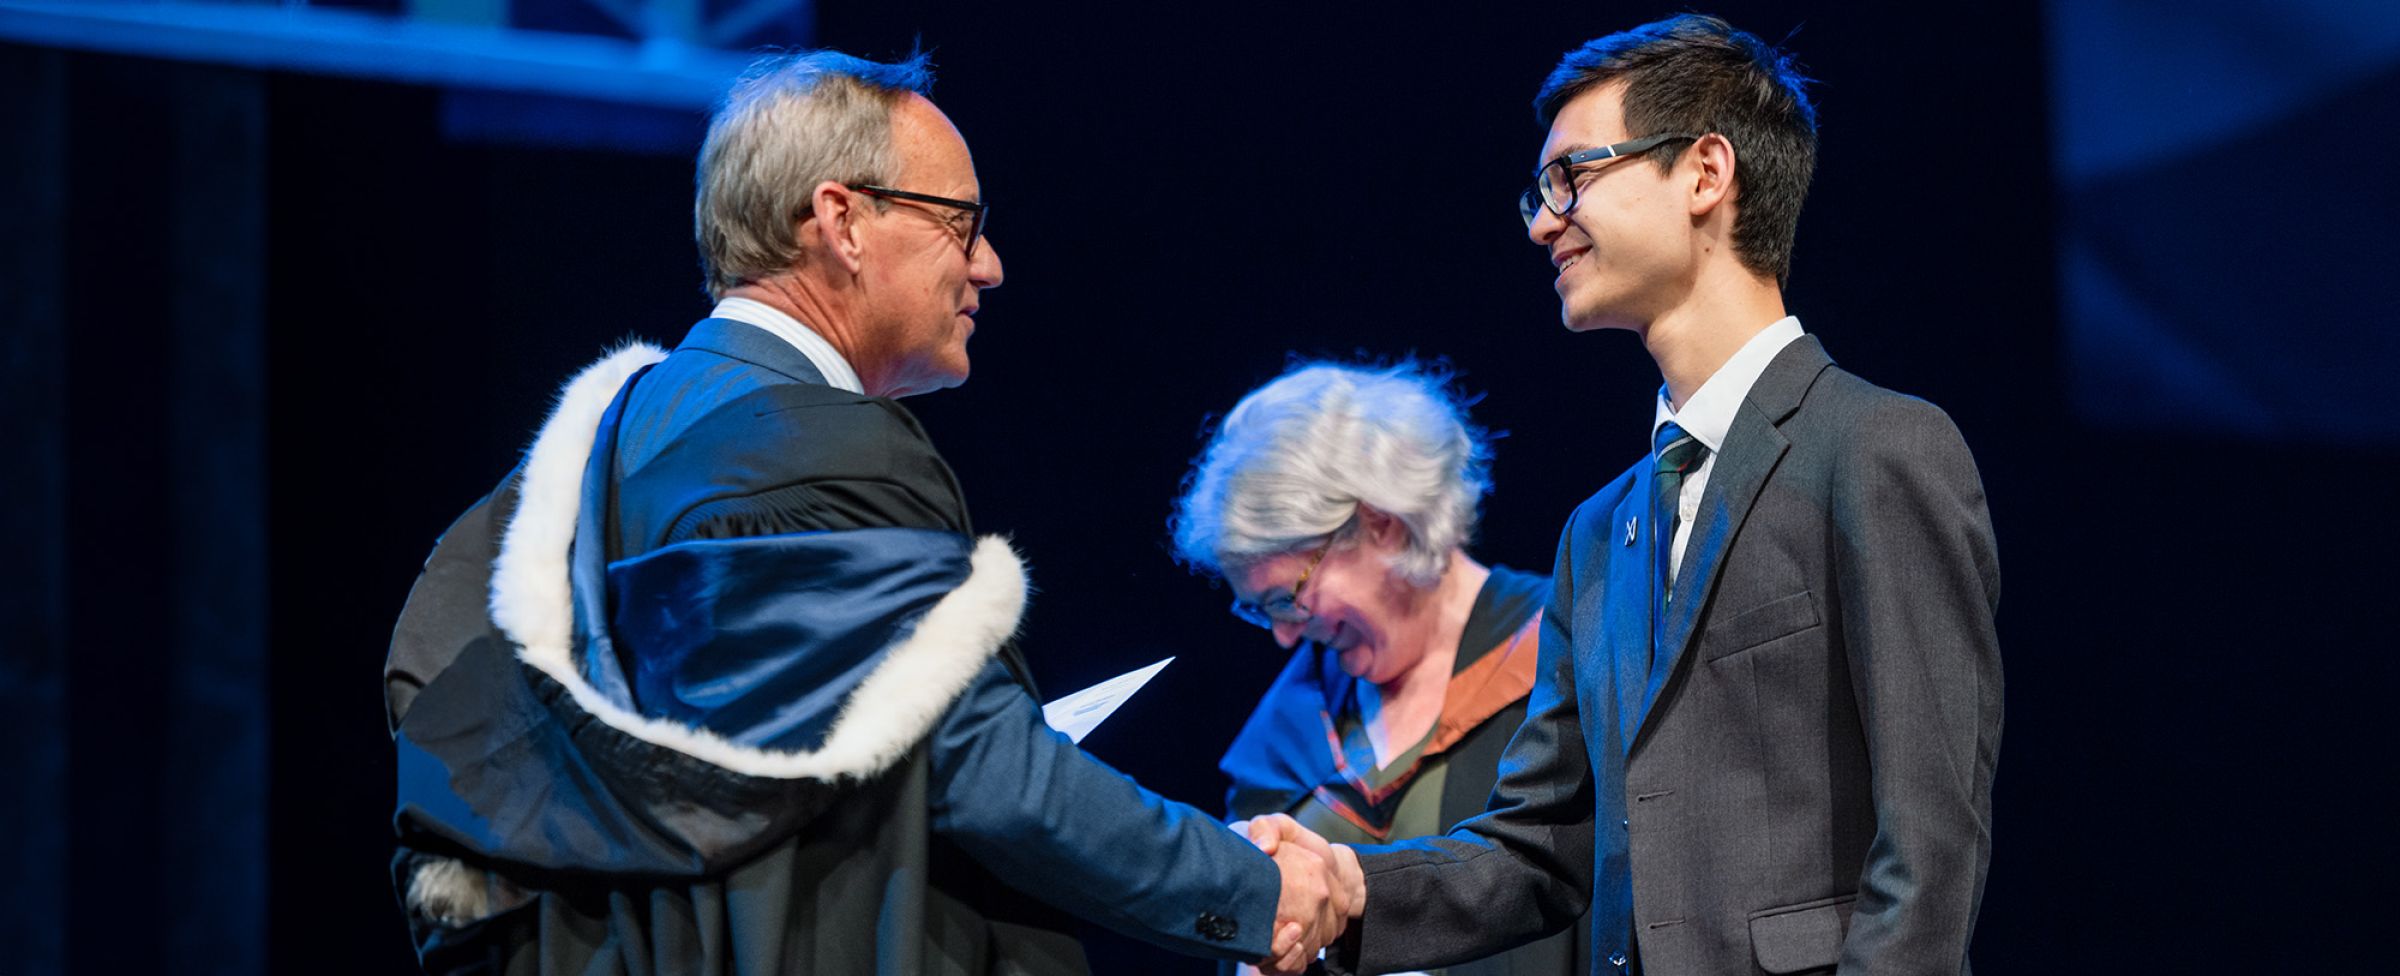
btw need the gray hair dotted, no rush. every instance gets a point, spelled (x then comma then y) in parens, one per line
(791, 122)
(1296, 457)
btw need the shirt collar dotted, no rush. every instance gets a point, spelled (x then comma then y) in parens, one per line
(1708, 415)
(820, 353)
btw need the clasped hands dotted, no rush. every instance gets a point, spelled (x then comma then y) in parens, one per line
(1323, 889)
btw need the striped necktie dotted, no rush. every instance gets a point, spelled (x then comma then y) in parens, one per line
(1678, 454)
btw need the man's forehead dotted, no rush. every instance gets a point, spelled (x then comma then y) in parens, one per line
(1552, 149)
(930, 146)
(917, 114)
(1561, 143)
(1587, 121)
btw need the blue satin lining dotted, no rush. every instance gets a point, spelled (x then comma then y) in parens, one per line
(761, 640)
(758, 639)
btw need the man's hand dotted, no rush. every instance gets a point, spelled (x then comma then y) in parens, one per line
(1323, 888)
(1273, 831)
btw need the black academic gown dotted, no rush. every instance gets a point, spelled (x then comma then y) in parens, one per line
(703, 775)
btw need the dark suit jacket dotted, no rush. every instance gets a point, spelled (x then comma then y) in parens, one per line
(731, 437)
(1804, 780)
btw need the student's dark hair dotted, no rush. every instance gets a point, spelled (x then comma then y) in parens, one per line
(1696, 73)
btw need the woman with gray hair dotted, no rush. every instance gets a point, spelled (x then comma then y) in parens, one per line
(1337, 501)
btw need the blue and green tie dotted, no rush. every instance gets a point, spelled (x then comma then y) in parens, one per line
(1679, 454)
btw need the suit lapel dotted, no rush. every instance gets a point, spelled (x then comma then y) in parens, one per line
(1753, 447)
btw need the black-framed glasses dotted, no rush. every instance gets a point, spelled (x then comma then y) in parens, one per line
(1554, 184)
(978, 212)
(1283, 608)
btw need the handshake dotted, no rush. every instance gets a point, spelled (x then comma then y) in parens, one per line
(1323, 889)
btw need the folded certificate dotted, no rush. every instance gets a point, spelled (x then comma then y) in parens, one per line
(1079, 713)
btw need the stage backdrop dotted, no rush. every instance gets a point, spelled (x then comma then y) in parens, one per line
(268, 331)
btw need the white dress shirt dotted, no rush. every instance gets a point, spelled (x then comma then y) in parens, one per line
(1708, 415)
(820, 353)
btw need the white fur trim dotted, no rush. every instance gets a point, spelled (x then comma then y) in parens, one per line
(921, 673)
(446, 890)
(531, 599)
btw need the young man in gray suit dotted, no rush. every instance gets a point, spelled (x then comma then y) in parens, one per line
(1768, 711)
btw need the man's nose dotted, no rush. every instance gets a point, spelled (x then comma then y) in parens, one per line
(985, 270)
(1546, 226)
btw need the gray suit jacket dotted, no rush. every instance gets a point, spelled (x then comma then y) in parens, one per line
(1803, 782)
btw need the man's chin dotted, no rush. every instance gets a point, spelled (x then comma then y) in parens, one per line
(1595, 320)
(924, 383)
(1578, 316)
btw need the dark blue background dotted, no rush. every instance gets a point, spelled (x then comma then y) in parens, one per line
(2170, 353)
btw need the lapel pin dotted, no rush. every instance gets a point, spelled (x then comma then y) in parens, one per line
(1631, 530)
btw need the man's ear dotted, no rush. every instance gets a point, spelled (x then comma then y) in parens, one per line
(833, 225)
(1712, 165)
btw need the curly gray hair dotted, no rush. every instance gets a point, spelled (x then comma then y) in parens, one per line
(792, 121)
(1296, 457)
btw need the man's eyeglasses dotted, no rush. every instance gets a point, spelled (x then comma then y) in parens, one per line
(1283, 608)
(1555, 186)
(977, 211)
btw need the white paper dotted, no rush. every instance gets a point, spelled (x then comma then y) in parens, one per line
(1079, 713)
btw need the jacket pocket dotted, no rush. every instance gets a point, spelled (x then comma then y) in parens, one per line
(1777, 618)
(1797, 938)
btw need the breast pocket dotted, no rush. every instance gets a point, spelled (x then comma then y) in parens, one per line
(1760, 625)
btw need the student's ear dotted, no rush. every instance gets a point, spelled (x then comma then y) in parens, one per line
(1711, 165)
